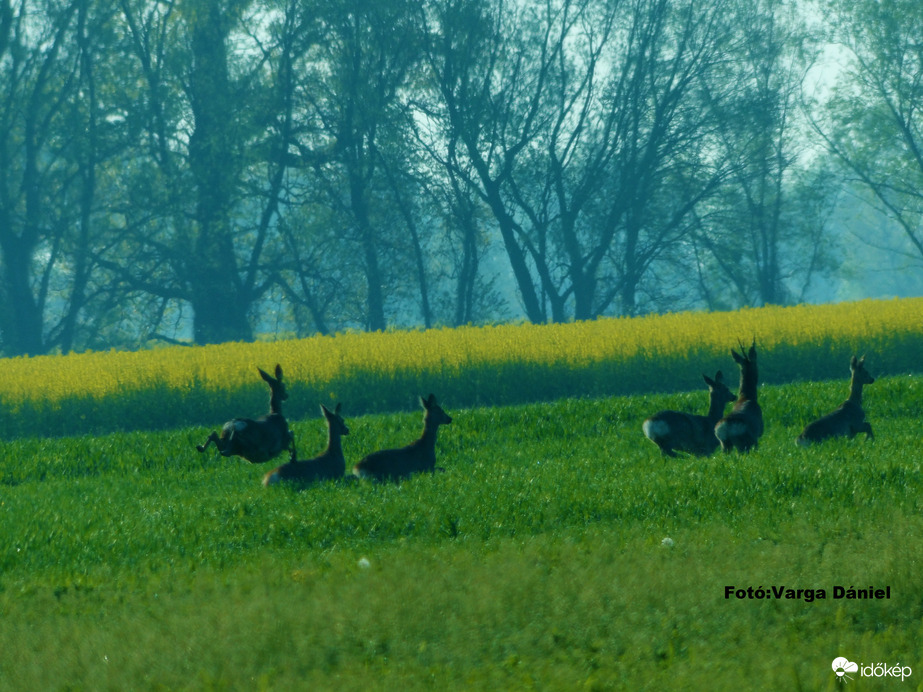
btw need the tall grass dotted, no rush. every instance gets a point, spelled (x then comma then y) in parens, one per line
(128, 561)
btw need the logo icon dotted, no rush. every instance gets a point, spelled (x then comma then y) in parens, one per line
(841, 666)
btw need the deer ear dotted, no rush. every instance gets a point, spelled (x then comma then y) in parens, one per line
(265, 375)
(278, 371)
(752, 354)
(719, 376)
(709, 381)
(325, 411)
(739, 359)
(338, 407)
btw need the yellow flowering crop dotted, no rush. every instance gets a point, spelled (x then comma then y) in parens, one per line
(178, 386)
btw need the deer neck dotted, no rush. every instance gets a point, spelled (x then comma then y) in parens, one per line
(275, 404)
(334, 444)
(428, 438)
(715, 408)
(855, 392)
(747, 387)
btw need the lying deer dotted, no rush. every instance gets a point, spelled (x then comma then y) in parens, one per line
(257, 440)
(328, 465)
(418, 456)
(743, 426)
(849, 418)
(685, 432)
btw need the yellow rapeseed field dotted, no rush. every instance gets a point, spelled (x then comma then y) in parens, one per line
(470, 365)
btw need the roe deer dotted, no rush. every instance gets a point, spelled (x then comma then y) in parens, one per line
(849, 418)
(394, 464)
(328, 465)
(743, 426)
(685, 432)
(257, 440)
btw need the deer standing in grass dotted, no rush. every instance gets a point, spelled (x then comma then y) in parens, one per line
(674, 431)
(261, 439)
(418, 456)
(328, 465)
(743, 426)
(849, 418)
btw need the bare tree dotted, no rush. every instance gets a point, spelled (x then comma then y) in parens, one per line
(352, 148)
(204, 109)
(579, 128)
(764, 233)
(49, 155)
(873, 122)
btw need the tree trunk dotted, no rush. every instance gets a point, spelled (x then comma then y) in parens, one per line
(216, 291)
(20, 315)
(87, 157)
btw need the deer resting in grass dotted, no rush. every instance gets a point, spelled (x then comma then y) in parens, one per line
(261, 439)
(849, 419)
(743, 426)
(674, 431)
(418, 456)
(329, 465)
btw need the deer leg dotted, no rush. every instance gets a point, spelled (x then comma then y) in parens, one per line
(866, 427)
(226, 445)
(211, 438)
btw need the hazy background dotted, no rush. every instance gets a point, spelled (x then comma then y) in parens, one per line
(211, 170)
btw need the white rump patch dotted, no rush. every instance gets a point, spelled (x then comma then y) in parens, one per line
(655, 429)
(730, 429)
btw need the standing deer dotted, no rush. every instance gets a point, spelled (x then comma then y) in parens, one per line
(743, 426)
(257, 440)
(394, 464)
(328, 465)
(849, 418)
(685, 432)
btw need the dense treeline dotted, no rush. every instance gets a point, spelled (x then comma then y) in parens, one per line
(215, 169)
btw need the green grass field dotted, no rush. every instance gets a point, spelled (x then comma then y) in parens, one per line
(536, 561)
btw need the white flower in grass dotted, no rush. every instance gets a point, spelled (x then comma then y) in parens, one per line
(364, 563)
(667, 542)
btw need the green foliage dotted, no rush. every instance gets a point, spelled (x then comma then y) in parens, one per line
(535, 561)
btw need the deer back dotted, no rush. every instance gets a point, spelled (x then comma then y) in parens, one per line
(849, 418)
(328, 465)
(687, 432)
(418, 456)
(845, 421)
(258, 440)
